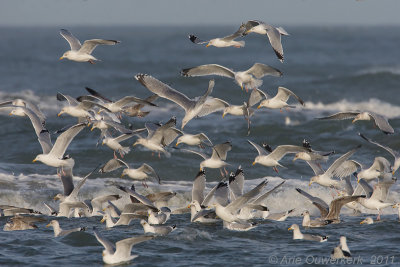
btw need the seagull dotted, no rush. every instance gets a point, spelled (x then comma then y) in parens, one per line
(159, 136)
(193, 108)
(122, 251)
(380, 168)
(82, 53)
(394, 153)
(279, 100)
(114, 143)
(308, 222)
(60, 232)
(160, 217)
(342, 250)
(274, 34)
(272, 159)
(298, 235)
(376, 196)
(158, 230)
(378, 120)
(135, 110)
(55, 157)
(142, 173)
(19, 223)
(222, 42)
(194, 140)
(312, 155)
(249, 79)
(218, 157)
(324, 178)
(124, 218)
(26, 104)
(331, 213)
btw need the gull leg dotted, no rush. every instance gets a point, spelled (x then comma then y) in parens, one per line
(121, 154)
(276, 169)
(222, 174)
(152, 154)
(115, 156)
(91, 61)
(379, 216)
(280, 110)
(159, 155)
(226, 172)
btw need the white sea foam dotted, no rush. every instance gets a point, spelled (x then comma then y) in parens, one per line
(380, 69)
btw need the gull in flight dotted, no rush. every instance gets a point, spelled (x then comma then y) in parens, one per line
(249, 79)
(378, 120)
(274, 34)
(222, 42)
(82, 53)
(279, 100)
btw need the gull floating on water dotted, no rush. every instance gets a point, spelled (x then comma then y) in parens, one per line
(378, 120)
(82, 53)
(367, 220)
(298, 235)
(60, 232)
(249, 79)
(158, 230)
(19, 223)
(342, 250)
(274, 34)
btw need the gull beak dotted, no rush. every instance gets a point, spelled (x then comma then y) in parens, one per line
(59, 114)
(353, 121)
(34, 160)
(201, 168)
(91, 129)
(122, 175)
(310, 183)
(188, 206)
(294, 159)
(362, 222)
(104, 209)
(208, 45)
(134, 144)
(393, 172)
(55, 198)
(102, 143)
(241, 86)
(102, 220)
(290, 228)
(10, 113)
(259, 106)
(223, 115)
(60, 58)
(358, 181)
(254, 163)
(394, 206)
(177, 143)
(48, 225)
(102, 254)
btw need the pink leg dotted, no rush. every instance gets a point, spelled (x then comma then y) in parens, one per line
(222, 174)
(379, 216)
(276, 169)
(226, 172)
(115, 156)
(159, 155)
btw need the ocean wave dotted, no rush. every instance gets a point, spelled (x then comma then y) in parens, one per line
(379, 69)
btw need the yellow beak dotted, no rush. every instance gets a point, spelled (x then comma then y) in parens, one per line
(34, 160)
(310, 183)
(10, 113)
(290, 228)
(92, 128)
(394, 206)
(362, 222)
(259, 106)
(241, 86)
(102, 220)
(59, 114)
(60, 58)
(254, 163)
(294, 159)
(223, 115)
(48, 225)
(393, 172)
(201, 168)
(353, 121)
(208, 45)
(122, 175)
(55, 198)
(177, 143)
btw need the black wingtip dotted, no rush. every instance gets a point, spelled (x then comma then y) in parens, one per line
(184, 72)
(192, 38)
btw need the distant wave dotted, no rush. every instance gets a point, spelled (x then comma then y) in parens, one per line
(386, 109)
(380, 69)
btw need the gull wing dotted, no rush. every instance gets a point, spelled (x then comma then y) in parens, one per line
(87, 104)
(221, 193)
(97, 94)
(336, 164)
(315, 167)
(208, 69)
(382, 123)
(124, 247)
(199, 184)
(319, 203)
(71, 101)
(212, 105)
(163, 90)
(149, 171)
(89, 45)
(209, 196)
(74, 193)
(144, 200)
(284, 94)
(238, 33)
(194, 39)
(204, 139)
(204, 156)
(105, 242)
(238, 203)
(236, 183)
(280, 151)
(381, 164)
(72, 40)
(381, 190)
(347, 168)
(66, 179)
(65, 139)
(260, 70)
(337, 204)
(341, 116)
(256, 96)
(366, 187)
(112, 165)
(129, 99)
(388, 149)
(274, 36)
(221, 150)
(126, 136)
(264, 196)
(261, 151)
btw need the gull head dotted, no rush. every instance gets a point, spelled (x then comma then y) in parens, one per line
(124, 172)
(38, 158)
(65, 55)
(304, 213)
(17, 112)
(264, 103)
(312, 180)
(301, 155)
(293, 227)
(59, 197)
(61, 112)
(226, 111)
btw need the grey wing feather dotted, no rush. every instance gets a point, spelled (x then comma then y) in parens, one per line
(382, 123)
(388, 149)
(238, 203)
(72, 40)
(72, 101)
(63, 141)
(105, 242)
(366, 187)
(221, 194)
(149, 171)
(381, 190)
(337, 204)
(124, 247)
(274, 37)
(199, 184)
(315, 167)
(264, 196)
(260, 70)
(66, 179)
(112, 165)
(341, 116)
(209, 69)
(235, 35)
(212, 105)
(209, 196)
(282, 150)
(256, 96)
(139, 197)
(260, 150)
(204, 156)
(347, 168)
(284, 94)
(221, 150)
(89, 45)
(322, 206)
(336, 164)
(163, 90)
